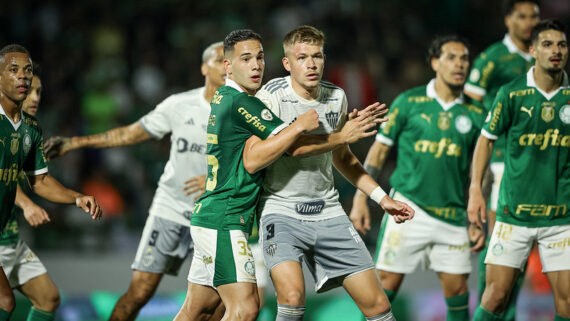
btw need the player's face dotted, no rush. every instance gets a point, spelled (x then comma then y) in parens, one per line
(32, 101)
(452, 64)
(214, 70)
(550, 51)
(15, 76)
(524, 17)
(305, 62)
(246, 65)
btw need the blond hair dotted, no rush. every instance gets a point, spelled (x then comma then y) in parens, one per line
(304, 34)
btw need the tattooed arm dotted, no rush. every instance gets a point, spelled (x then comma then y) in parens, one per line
(121, 136)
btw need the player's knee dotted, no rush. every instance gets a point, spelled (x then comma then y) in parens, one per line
(50, 301)
(295, 298)
(246, 310)
(140, 295)
(494, 298)
(7, 303)
(375, 305)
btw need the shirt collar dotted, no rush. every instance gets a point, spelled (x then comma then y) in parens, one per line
(431, 93)
(530, 82)
(509, 43)
(234, 85)
(15, 125)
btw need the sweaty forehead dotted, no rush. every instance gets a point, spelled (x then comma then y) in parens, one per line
(16, 58)
(251, 46)
(454, 47)
(552, 35)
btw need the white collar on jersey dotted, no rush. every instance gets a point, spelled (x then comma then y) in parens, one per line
(530, 82)
(509, 43)
(234, 85)
(430, 92)
(15, 125)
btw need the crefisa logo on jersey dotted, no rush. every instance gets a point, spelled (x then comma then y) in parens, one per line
(463, 124)
(332, 118)
(565, 114)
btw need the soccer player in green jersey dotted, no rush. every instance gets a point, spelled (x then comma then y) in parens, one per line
(533, 112)
(22, 149)
(497, 65)
(223, 265)
(435, 128)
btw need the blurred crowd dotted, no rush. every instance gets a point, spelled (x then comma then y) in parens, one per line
(107, 63)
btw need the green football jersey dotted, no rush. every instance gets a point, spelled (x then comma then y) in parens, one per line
(231, 192)
(11, 232)
(501, 63)
(434, 142)
(22, 149)
(535, 190)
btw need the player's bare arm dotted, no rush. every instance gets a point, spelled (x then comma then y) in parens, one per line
(359, 126)
(34, 214)
(195, 185)
(349, 166)
(49, 188)
(476, 208)
(360, 213)
(258, 153)
(121, 136)
(473, 95)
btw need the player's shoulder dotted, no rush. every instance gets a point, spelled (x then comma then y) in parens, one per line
(517, 84)
(414, 95)
(494, 51)
(473, 106)
(331, 89)
(30, 120)
(183, 97)
(275, 86)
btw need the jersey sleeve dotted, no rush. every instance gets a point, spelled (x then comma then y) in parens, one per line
(499, 117)
(270, 100)
(343, 117)
(480, 75)
(390, 130)
(35, 162)
(253, 116)
(157, 122)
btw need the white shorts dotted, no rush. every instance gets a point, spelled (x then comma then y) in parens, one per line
(260, 269)
(424, 241)
(510, 246)
(221, 257)
(20, 263)
(497, 169)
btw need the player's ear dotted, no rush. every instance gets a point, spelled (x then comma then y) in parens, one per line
(228, 66)
(434, 62)
(204, 69)
(286, 64)
(532, 50)
(507, 21)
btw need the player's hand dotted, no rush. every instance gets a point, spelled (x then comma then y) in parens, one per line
(360, 214)
(476, 207)
(195, 185)
(357, 127)
(89, 205)
(308, 121)
(35, 215)
(476, 237)
(399, 210)
(57, 146)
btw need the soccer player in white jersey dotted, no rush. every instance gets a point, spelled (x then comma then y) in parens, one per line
(301, 217)
(165, 241)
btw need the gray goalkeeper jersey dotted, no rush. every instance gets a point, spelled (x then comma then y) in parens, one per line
(303, 187)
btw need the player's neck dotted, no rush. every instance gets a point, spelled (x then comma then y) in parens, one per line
(547, 82)
(523, 46)
(12, 109)
(306, 93)
(209, 91)
(445, 92)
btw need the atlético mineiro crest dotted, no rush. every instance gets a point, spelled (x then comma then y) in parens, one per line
(332, 118)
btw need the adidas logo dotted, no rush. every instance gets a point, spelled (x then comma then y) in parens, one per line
(190, 122)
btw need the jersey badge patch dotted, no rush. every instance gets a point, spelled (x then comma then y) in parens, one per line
(498, 249)
(15, 144)
(270, 248)
(547, 114)
(463, 124)
(148, 258)
(27, 143)
(444, 120)
(266, 115)
(565, 114)
(474, 75)
(249, 267)
(332, 118)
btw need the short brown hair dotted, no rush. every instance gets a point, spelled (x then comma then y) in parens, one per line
(305, 34)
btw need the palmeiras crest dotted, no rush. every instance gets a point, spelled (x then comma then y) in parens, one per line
(332, 118)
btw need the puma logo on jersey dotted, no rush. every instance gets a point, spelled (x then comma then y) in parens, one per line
(426, 117)
(527, 110)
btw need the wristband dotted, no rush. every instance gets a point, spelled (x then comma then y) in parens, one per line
(377, 194)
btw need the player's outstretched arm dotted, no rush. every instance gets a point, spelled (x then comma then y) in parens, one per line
(34, 214)
(476, 207)
(258, 153)
(360, 213)
(359, 125)
(126, 135)
(349, 166)
(49, 188)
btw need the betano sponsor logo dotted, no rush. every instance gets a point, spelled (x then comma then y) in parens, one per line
(541, 209)
(249, 118)
(551, 137)
(443, 147)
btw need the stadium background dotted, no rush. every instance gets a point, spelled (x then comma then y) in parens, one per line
(106, 63)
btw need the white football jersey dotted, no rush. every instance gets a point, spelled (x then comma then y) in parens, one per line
(303, 187)
(185, 115)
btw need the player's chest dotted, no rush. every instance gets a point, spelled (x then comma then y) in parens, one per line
(433, 122)
(540, 117)
(508, 70)
(189, 132)
(329, 113)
